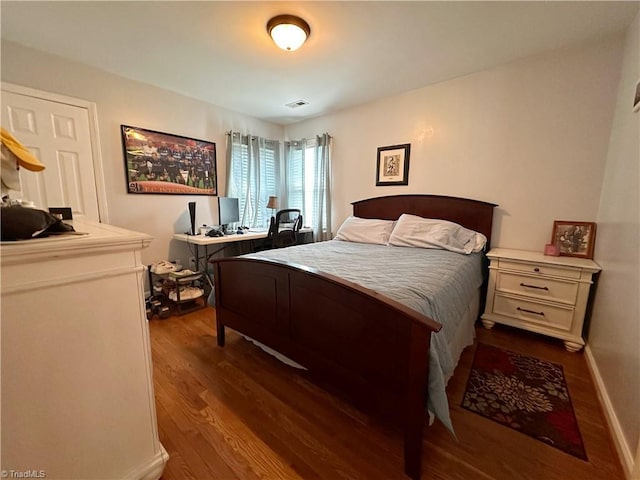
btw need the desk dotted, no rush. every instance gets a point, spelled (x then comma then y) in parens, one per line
(204, 241)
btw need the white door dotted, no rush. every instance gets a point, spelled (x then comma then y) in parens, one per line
(59, 135)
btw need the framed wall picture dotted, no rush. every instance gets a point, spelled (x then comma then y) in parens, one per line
(164, 163)
(574, 239)
(393, 165)
(636, 98)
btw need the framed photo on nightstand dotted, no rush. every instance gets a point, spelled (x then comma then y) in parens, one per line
(575, 239)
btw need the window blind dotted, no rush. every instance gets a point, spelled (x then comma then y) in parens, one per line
(253, 173)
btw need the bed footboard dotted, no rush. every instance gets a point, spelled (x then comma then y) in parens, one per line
(353, 340)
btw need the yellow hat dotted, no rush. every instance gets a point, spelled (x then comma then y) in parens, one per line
(25, 158)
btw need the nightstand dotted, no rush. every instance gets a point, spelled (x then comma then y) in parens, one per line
(539, 293)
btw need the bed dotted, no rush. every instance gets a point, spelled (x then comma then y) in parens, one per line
(371, 348)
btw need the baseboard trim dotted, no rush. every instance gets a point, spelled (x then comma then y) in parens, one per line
(153, 469)
(622, 447)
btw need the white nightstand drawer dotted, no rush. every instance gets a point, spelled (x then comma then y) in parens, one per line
(538, 287)
(540, 269)
(533, 312)
(539, 293)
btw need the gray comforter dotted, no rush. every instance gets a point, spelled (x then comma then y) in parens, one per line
(436, 283)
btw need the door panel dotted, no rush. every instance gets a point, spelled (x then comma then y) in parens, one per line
(58, 134)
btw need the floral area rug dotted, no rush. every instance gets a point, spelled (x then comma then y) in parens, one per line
(525, 393)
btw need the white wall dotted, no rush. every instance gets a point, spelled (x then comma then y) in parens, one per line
(614, 337)
(121, 101)
(530, 136)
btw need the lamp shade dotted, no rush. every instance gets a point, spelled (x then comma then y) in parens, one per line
(273, 202)
(288, 31)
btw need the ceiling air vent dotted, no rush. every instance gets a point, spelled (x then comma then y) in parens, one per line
(297, 103)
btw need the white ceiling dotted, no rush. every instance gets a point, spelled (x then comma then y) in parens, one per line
(358, 51)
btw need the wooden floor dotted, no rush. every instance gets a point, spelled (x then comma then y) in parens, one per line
(237, 413)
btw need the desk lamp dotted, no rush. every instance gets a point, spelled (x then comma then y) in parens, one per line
(272, 203)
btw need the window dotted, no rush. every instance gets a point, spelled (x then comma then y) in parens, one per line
(253, 175)
(301, 179)
(295, 175)
(307, 182)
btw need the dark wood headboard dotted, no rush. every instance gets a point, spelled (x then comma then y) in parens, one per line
(472, 214)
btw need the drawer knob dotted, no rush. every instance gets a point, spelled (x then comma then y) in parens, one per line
(536, 269)
(530, 311)
(534, 286)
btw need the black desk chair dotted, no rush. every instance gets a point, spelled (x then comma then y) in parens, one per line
(284, 228)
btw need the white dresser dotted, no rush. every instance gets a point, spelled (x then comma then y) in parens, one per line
(77, 386)
(540, 293)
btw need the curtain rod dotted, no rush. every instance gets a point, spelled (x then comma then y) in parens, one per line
(229, 132)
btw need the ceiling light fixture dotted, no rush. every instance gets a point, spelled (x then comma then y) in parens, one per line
(288, 31)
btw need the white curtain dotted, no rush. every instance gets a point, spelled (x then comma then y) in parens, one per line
(307, 176)
(253, 174)
(321, 223)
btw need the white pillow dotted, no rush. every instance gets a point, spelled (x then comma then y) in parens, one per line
(365, 230)
(414, 231)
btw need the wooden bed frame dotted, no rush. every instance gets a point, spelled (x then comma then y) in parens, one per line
(353, 341)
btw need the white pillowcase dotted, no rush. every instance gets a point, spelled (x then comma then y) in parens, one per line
(414, 231)
(365, 230)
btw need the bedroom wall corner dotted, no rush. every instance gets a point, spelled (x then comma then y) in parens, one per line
(614, 335)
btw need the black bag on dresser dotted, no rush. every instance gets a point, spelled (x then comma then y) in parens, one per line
(23, 223)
